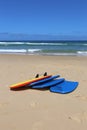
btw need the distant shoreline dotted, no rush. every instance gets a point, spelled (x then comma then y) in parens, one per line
(51, 41)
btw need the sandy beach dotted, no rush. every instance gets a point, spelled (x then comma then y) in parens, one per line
(42, 110)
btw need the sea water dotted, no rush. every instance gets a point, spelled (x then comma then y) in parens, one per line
(45, 47)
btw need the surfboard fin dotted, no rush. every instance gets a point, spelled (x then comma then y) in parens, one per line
(45, 74)
(37, 75)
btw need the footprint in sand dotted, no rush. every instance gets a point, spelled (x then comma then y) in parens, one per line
(79, 117)
(3, 109)
(3, 104)
(84, 98)
(37, 125)
(33, 104)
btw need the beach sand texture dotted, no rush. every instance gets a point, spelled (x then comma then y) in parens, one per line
(32, 109)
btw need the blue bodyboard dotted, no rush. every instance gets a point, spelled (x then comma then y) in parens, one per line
(64, 87)
(44, 80)
(49, 83)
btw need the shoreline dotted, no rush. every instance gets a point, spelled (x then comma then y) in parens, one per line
(46, 54)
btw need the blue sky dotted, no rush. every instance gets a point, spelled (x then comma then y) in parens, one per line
(55, 17)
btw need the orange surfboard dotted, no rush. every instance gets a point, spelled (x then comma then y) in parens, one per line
(27, 82)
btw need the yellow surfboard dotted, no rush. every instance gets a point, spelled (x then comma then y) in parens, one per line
(27, 82)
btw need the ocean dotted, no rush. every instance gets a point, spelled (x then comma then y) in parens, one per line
(77, 48)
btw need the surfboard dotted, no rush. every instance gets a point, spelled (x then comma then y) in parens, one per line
(49, 83)
(64, 87)
(27, 82)
(44, 80)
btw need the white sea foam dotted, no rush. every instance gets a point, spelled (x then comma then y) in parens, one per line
(84, 53)
(19, 50)
(34, 50)
(11, 43)
(3, 43)
(54, 44)
(12, 51)
(19, 43)
(85, 44)
(39, 51)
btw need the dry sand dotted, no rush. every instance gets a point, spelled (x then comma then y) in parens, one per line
(42, 110)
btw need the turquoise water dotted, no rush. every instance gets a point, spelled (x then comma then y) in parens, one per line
(45, 47)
